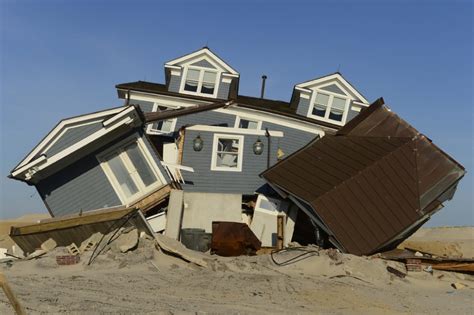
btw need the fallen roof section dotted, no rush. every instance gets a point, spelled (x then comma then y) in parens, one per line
(372, 184)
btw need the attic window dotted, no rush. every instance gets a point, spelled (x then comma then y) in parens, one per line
(200, 81)
(329, 107)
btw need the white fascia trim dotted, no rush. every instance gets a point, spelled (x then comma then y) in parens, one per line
(128, 120)
(335, 76)
(215, 144)
(56, 130)
(32, 164)
(206, 52)
(302, 89)
(172, 67)
(360, 104)
(115, 118)
(240, 131)
(226, 74)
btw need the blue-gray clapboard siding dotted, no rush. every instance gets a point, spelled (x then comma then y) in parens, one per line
(175, 83)
(83, 185)
(145, 106)
(247, 181)
(211, 118)
(223, 91)
(333, 88)
(303, 107)
(351, 114)
(73, 135)
(203, 63)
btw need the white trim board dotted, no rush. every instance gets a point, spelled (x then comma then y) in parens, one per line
(235, 130)
(58, 129)
(129, 119)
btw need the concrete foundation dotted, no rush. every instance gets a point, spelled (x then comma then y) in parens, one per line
(200, 209)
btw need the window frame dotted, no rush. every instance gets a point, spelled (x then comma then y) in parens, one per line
(240, 154)
(280, 205)
(200, 81)
(150, 130)
(329, 106)
(120, 149)
(239, 118)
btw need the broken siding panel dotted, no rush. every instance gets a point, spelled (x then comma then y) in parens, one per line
(174, 84)
(80, 186)
(72, 136)
(211, 118)
(204, 180)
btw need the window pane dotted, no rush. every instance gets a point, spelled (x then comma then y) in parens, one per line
(335, 115)
(338, 103)
(124, 179)
(207, 88)
(322, 99)
(209, 77)
(164, 125)
(227, 153)
(193, 75)
(268, 205)
(319, 110)
(140, 164)
(191, 86)
(227, 160)
(248, 124)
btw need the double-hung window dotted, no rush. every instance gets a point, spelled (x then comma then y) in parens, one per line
(227, 153)
(329, 107)
(200, 81)
(129, 170)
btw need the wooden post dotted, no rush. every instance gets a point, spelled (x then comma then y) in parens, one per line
(19, 310)
(280, 231)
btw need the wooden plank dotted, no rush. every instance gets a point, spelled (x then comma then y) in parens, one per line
(153, 199)
(61, 223)
(280, 231)
(19, 310)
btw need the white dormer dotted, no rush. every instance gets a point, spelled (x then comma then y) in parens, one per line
(200, 73)
(330, 99)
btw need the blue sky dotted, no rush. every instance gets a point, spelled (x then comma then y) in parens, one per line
(63, 58)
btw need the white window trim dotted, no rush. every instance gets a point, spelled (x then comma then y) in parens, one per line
(148, 158)
(326, 116)
(201, 75)
(279, 204)
(151, 131)
(215, 145)
(238, 118)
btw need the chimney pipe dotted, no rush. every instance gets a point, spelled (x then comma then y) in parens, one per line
(262, 92)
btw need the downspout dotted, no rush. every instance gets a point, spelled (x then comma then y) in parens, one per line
(269, 142)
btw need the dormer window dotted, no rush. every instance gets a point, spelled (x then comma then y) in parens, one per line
(200, 81)
(329, 107)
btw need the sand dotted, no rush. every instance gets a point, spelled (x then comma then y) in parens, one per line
(5, 240)
(308, 281)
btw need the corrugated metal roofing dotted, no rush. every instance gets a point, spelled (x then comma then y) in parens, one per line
(371, 182)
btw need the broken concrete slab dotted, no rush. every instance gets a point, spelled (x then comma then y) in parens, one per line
(127, 241)
(49, 245)
(175, 248)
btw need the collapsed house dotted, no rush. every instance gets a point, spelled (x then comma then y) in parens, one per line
(190, 152)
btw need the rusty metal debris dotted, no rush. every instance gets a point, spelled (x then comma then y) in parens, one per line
(233, 239)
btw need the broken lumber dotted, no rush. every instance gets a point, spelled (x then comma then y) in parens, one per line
(174, 247)
(19, 310)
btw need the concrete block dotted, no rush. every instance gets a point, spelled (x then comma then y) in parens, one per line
(174, 214)
(49, 245)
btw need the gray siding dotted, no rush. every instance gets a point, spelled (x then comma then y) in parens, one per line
(80, 186)
(293, 139)
(351, 114)
(205, 180)
(144, 105)
(210, 118)
(203, 63)
(333, 88)
(247, 181)
(83, 185)
(223, 92)
(72, 136)
(303, 107)
(174, 84)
